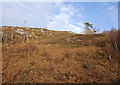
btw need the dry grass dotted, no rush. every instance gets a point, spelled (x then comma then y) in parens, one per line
(113, 39)
(112, 44)
(60, 65)
(44, 61)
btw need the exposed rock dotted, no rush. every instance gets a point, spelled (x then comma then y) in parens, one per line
(71, 32)
(78, 40)
(42, 30)
(20, 31)
(68, 39)
(86, 66)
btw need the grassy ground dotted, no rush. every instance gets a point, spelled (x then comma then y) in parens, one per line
(60, 58)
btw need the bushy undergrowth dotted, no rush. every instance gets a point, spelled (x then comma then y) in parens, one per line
(84, 60)
(53, 64)
(112, 47)
(27, 48)
(23, 50)
(113, 39)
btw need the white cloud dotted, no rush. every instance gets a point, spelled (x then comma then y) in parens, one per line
(56, 16)
(62, 21)
(36, 14)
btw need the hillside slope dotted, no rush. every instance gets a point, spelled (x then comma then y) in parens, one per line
(37, 55)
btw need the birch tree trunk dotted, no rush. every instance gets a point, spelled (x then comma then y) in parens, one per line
(1, 34)
(12, 33)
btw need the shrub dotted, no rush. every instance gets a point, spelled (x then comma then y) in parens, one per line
(100, 42)
(80, 53)
(67, 54)
(113, 39)
(112, 47)
(27, 48)
(47, 54)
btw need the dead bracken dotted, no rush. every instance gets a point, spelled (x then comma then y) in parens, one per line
(38, 55)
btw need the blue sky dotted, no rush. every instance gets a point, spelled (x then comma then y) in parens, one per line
(61, 16)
